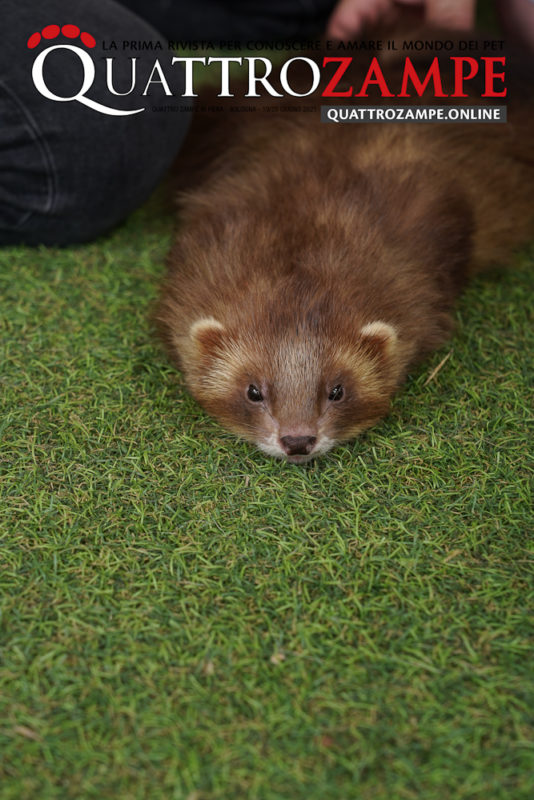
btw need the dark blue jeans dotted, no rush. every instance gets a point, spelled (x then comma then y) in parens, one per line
(69, 173)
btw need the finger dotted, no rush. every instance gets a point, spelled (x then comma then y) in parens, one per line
(459, 14)
(346, 19)
(350, 17)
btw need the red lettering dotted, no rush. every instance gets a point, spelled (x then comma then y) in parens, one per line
(375, 76)
(420, 86)
(491, 76)
(344, 63)
(459, 76)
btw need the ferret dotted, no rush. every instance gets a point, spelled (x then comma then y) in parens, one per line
(316, 263)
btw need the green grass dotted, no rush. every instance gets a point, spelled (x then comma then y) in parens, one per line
(184, 618)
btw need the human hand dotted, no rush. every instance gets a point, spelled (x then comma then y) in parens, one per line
(350, 17)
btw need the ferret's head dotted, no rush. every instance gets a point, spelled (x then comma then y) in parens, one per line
(292, 386)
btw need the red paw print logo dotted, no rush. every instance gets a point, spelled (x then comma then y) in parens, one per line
(53, 31)
(74, 37)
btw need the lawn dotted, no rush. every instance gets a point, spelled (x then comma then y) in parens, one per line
(183, 617)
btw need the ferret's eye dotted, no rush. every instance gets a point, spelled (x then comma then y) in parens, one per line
(336, 393)
(254, 394)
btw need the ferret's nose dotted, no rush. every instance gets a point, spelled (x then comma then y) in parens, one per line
(298, 445)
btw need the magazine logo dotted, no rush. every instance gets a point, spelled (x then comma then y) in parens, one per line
(88, 67)
(334, 73)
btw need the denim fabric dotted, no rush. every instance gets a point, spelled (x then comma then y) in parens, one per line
(68, 173)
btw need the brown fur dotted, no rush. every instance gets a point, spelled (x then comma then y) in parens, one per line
(312, 255)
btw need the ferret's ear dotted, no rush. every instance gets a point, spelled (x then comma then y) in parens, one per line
(380, 338)
(207, 335)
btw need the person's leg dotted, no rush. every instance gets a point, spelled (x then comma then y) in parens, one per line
(68, 172)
